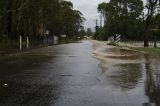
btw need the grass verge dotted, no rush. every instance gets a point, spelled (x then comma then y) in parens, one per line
(146, 50)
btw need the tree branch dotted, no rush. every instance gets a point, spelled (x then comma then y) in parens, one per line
(21, 7)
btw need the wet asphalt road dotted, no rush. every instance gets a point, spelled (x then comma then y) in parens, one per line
(68, 75)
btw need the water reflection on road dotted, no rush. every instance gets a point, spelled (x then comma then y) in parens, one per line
(125, 76)
(152, 82)
(29, 80)
(138, 78)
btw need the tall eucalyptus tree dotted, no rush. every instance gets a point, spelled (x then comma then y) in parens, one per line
(123, 16)
(149, 19)
(33, 17)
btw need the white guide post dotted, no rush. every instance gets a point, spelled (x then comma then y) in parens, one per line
(20, 42)
(27, 42)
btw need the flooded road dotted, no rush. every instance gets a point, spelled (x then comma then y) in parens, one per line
(132, 77)
(77, 75)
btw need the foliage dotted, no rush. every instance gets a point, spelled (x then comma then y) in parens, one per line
(89, 32)
(33, 17)
(130, 18)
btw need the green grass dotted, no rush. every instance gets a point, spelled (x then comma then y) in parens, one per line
(147, 50)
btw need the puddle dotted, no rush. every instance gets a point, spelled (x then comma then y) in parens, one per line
(124, 76)
(135, 74)
(131, 57)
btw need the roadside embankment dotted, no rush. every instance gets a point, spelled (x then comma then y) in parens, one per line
(115, 54)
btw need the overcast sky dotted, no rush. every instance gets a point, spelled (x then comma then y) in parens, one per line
(89, 10)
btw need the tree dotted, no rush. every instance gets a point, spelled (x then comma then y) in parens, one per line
(151, 7)
(33, 17)
(101, 9)
(123, 17)
(89, 32)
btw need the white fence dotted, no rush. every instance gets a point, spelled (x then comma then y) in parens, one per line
(138, 43)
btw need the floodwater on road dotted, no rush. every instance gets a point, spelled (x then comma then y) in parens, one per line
(132, 77)
(76, 75)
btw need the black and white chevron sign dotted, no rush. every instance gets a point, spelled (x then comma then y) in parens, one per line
(118, 38)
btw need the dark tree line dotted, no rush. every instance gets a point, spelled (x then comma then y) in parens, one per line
(131, 18)
(33, 17)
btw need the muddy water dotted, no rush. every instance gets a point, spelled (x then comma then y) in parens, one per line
(133, 78)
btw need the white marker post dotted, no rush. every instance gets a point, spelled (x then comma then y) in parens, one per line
(27, 42)
(20, 42)
(46, 37)
(55, 40)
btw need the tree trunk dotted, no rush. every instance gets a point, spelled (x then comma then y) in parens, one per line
(101, 20)
(155, 43)
(146, 38)
(9, 24)
(146, 41)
